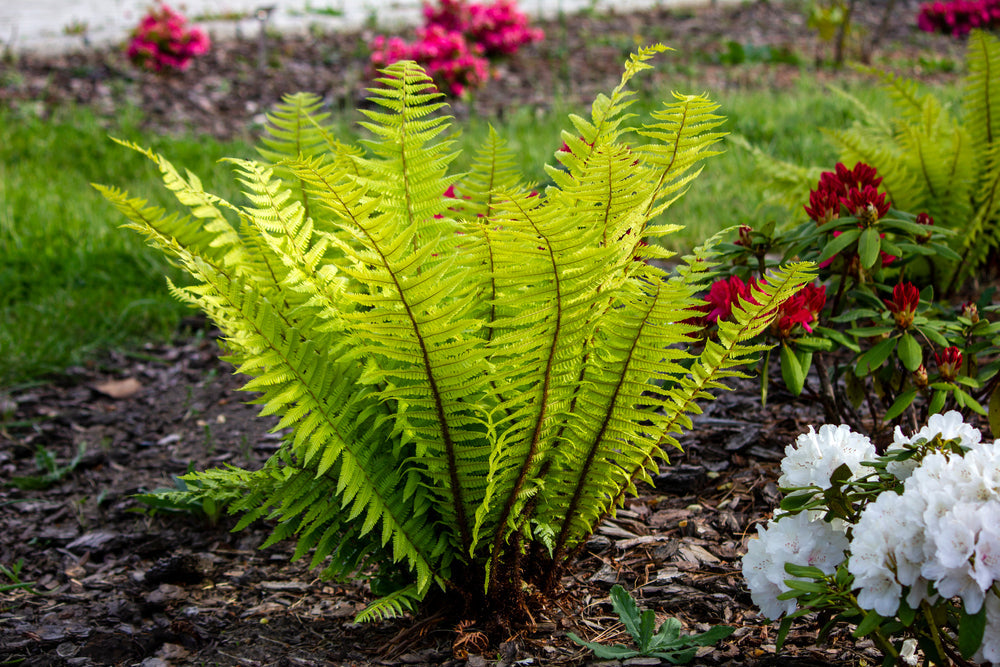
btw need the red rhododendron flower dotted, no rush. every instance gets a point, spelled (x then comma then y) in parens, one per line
(860, 177)
(903, 304)
(724, 294)
(814, 298)
(801, 309)
(866, 204)
(854, 189)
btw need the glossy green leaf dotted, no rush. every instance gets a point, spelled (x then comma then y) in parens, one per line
(839, 243)
(937, 402)
(971, 628)
(871, 621)
(874, 357)
(791, 370)
(869, 245)
(902, 402)
(994, 412)
(910, 352)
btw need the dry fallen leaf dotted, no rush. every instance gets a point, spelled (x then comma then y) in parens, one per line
(119, 388)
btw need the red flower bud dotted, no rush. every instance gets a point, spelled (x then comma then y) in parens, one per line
(949, 362)
(744, 236)
(920, 376)
(971, 311)
(903, 304)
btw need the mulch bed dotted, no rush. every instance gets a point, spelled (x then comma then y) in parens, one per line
(113, 583)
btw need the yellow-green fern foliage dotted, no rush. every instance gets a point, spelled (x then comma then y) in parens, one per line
(470, 382)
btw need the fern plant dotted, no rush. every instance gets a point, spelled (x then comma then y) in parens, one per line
(472, 382)
(932, 159)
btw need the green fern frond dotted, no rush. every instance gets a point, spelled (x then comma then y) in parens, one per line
(464, 380)
(618, 409)
(681, 138)
(983, 231)
(718, 361)
(494, 170)
(393, 605)
(607, 114)
(784, 183)
(207, 233)
(296, 127)
(910, 101)
(981, 94)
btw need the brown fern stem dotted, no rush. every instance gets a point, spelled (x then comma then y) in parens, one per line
(536, 435)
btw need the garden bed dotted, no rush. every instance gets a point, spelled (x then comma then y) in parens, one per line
(225, 92)
(113, 583)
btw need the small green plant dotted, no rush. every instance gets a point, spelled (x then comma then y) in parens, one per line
(51, 471)
(475, 373)
(833, 21)
(738, 53)
(181, 499)
(667, 643)
(13, 574)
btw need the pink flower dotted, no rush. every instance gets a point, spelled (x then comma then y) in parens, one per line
(458, 37)
(162, 41)
(959, 17)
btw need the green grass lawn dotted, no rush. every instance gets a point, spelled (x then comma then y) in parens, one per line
(73, 284)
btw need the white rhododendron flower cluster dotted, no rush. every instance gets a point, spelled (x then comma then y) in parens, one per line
(949, 426)
(794, 539)
(815, 455)
(934, 534)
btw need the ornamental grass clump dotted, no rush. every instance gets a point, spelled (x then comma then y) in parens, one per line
(475, 374)
(906, 546)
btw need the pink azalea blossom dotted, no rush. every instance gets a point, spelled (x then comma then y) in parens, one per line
(163, 42)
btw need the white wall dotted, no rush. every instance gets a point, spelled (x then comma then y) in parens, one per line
(48, 25)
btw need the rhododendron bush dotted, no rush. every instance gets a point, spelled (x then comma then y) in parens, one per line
(458, 40)
(959, 17)
(163, 42)
(905, 545)
(884, 349)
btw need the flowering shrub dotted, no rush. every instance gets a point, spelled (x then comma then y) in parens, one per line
(500, 29)
(908, 353)
(457, 40)
(163, 42)
(905, 545)
(959, 17)
(453, 63)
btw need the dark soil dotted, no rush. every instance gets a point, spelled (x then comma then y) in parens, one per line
(112, 582)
